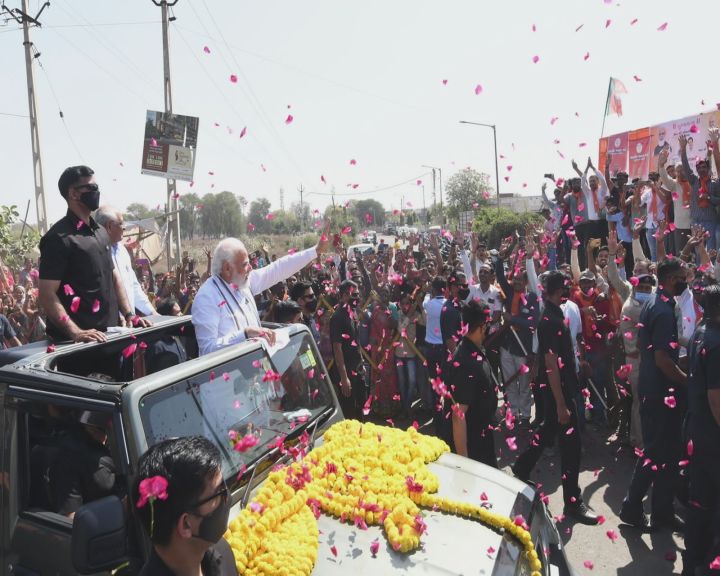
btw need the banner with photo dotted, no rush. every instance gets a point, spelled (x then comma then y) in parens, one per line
(639, 153)
(169, 145)
(641, 148)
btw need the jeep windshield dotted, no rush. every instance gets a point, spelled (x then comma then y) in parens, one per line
(272, 397)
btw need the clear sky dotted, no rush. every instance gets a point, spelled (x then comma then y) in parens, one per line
(363, 81)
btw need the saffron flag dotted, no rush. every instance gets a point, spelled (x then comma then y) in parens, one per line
(614, 104)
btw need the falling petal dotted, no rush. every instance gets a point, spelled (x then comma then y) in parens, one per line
(75, 304)
(634, 21)
(587, 56)
(536, 59)
(662, 27)
(206, 50)
(243, 132)
(444, 82)
(478, 89)
(289, 119)
(96, 306)
(233, 78)
(607, 23)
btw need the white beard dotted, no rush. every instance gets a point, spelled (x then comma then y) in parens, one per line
(239, 282)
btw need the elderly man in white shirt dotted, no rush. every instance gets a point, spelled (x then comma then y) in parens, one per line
(224, 310)
(112, 220)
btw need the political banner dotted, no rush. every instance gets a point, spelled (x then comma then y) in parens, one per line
(641, 148)
(170, 145)
(617, 150)
(639, 154)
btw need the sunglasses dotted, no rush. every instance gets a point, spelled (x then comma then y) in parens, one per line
(87, 187)
(223, 493)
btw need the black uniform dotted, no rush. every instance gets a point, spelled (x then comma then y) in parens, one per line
(344, 330)
(661, 424)
(218, 561)
(83, 471)
(702, 529)
(554, 336)
(470, 385)
(79, 256)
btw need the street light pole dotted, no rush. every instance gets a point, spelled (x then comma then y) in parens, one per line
(497, 172)
(433, 168)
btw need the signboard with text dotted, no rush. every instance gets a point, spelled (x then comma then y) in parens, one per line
(169, 145)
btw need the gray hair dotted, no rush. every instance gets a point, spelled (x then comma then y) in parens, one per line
(225, 252)
(106, 214)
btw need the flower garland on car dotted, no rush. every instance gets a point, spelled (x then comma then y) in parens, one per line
(364, 474)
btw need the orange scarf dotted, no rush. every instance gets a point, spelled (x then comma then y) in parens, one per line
(704, 193)
(653, 205)
(685, 193)
(596, 202)
(515, 306)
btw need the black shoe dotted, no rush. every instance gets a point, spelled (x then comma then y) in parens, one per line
(582, 513)
(674, 522)
(634, 516)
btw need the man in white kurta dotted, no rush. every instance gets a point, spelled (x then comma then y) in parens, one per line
(224, 310)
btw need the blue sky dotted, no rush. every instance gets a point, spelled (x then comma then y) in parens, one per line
(363, 80)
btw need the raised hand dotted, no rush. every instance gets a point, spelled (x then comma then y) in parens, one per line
(612, 242)
(682, 140)
(662, 159)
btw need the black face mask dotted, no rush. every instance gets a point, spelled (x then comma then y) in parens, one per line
(214, 525)
(680, 287)
(354, 302)
(311, 305)
(463, 293)
(91, 199)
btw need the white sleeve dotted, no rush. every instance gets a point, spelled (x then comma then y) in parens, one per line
(262, 278)
(532, 277)
(142, 302)
(207, 313)
(466, 267)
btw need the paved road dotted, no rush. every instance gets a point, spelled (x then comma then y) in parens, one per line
(604, 477)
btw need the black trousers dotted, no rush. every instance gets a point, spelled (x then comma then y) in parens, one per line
(568, 437)
(702, 535)
(352, 406)
(481, 447)
(662, 441)
(442, 420)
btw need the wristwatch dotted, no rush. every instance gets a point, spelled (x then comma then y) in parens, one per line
(128, 315)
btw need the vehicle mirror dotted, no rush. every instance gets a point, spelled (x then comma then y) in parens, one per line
(99, 538)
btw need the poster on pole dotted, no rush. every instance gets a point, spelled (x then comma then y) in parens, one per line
(169, 145)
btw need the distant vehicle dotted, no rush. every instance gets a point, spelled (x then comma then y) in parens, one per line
(435, 229)
(364, 247)
(370, 236)
(391, 230)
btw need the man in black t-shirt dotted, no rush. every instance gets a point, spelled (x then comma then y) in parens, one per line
(346, 351)
(557, 376)
(472, 392)
(79, 288)
(702, 540)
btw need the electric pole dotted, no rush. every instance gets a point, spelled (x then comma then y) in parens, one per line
(172, 210)
(302, 211)
(22, 17)
(282, 200)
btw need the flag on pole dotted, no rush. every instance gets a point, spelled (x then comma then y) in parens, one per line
(614, 104)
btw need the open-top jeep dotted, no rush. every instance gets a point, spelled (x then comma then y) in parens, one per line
(150, 384)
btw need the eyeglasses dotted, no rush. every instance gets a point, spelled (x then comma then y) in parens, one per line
(223, 493)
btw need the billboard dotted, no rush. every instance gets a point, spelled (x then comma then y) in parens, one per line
(637, 152)
(169, 145)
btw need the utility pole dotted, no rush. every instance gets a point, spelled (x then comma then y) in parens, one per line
(172, 210)
(282, 200)
(302, 211)
(22, 17)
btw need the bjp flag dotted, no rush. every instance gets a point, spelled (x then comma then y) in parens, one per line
(614, 104)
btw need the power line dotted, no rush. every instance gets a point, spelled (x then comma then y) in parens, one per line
(14, 115)
(408, 181)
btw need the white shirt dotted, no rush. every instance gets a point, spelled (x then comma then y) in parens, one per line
(682, 213)
(135, 294)
(491, 297)
(221, 312)
(687, 318)
(602, 193)
(433, 308)
(653, 219)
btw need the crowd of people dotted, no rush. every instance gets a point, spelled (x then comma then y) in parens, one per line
(605, 311)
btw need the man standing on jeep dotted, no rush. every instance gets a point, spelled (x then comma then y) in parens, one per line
(80, 290)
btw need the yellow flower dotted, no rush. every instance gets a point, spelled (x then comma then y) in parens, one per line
(362, 473)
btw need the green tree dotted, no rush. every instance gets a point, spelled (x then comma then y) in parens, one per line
(14, 246)
(493, 225)
(466, 190)
(370, 213)
(257, 215)
(139, 211)
(190, 209)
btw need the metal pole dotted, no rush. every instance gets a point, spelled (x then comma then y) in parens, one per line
(173, 204)
(497, 173)
(302, 212)
(34, 129)
(441, 200)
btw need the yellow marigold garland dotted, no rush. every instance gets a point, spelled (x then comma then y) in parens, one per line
(363, 474)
